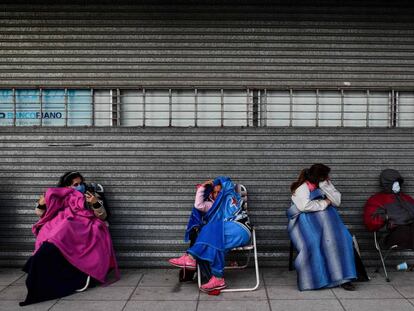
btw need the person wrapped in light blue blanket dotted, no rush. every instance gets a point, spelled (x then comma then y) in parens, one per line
(325, 249)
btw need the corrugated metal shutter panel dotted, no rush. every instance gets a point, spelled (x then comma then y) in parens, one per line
(362, 44)
(150, 174)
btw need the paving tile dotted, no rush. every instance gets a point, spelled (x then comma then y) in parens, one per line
(364, 291)
(306, 305)
(401, 278)
(177, 292)
(406, 290)
(68, 305)
(279, 277)
(21, 280)
(291, 292)
(395, 276)
(8, 276)
(18, 292)
(159, 289)
(128, 277)
(259, 294)
(161, 306)
(259, 305)
(13, 305)
(376, 305)
(242, 278)
(161, 277)
(103, 293)
(377, 278)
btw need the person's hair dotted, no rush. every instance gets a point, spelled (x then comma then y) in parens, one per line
(67, 178)
(315, 174)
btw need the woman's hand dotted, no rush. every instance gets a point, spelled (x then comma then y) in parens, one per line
(208, 182)
(42, 200)
(90, 198)
(328, 201)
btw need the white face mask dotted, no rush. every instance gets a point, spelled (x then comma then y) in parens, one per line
(396, 187)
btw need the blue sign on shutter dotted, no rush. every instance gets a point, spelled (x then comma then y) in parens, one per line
(47, 110)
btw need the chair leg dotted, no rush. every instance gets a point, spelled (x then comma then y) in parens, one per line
(383, 266)
(256, 265)
(382, 258)
(88, 279)
(198, 276)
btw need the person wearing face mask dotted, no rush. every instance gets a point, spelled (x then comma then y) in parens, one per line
(73, 246)
(393, 209)
(76, 181)
(217, 224)
(326, 256)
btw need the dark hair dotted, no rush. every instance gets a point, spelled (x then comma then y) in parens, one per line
(207, 191)
(67, 178)
(315, 174)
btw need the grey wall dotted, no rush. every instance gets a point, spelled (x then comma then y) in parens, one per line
(236, 43)
(150, 176)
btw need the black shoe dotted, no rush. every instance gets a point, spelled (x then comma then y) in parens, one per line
(348, 286)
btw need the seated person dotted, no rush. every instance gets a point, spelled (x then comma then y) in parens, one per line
(221, 224)
(73, 243)
(326, 257)
(75, 180)
(393, 209)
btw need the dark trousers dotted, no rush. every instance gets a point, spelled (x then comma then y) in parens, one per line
(205, 270)
(403, 236)
(50, 275)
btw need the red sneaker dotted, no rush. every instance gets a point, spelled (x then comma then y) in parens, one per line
(185, 262)
(213, 284)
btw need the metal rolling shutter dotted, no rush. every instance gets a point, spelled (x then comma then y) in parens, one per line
(150, 174)
(320, 46)
(361, 44)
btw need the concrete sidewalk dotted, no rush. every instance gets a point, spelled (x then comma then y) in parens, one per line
(160, 290)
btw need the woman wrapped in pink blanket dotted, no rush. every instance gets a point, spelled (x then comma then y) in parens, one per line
(73, 243)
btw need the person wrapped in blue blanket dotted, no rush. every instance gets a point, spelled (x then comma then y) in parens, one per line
(326, 256)
(221, 224)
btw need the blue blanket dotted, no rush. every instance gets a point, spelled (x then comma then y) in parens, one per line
(210, 244)
(324, 245)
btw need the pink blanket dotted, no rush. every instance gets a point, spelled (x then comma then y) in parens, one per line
(83, 239)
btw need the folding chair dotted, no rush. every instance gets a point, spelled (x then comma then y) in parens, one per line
(382, 257)
(88, 279)
(249, 247)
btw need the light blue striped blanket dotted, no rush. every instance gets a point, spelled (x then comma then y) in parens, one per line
(324, 245)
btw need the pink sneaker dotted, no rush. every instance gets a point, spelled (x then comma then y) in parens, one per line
(213, 284)
(185, 262)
